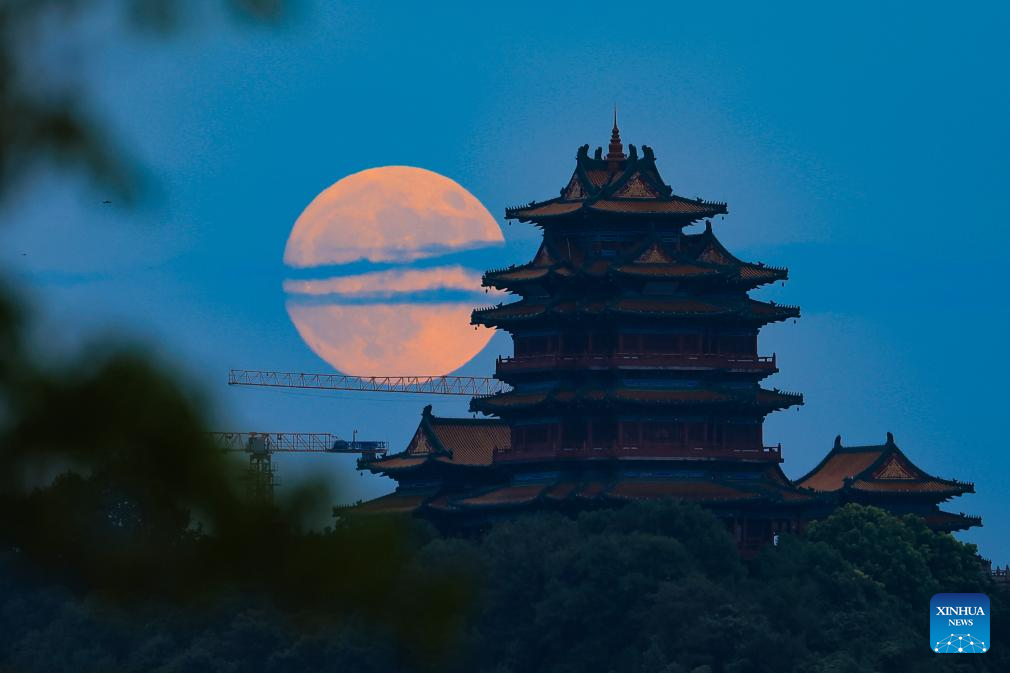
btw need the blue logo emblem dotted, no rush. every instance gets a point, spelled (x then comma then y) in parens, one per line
(959, 623)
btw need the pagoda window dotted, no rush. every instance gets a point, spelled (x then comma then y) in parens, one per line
(533, 345)
(663, 432)
(716, 435)
(739, 345)
(631, 434)
(602, 434)
(738, 434)
(691, 343)
(600, 343)
(697, 434)
(630, 343)
(573, 434)
(573, 343)
(661, 343)
(759, 530)
(536, 436)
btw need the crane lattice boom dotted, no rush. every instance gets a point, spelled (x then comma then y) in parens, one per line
(272, 442)
(428, 385)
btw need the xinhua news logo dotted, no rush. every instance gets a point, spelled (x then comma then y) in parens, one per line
(959, 623)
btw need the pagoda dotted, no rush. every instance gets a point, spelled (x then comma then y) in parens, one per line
(635, 372)
(633, 339)
(636, 375)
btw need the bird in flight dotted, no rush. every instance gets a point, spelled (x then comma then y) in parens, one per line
(106, 202)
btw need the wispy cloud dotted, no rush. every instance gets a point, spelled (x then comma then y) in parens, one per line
(389, 284)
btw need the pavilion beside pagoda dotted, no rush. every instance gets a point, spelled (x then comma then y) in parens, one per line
(883, 476)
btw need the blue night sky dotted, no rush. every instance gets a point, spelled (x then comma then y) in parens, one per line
(862, 146)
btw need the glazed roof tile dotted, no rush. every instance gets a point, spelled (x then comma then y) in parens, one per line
(399, 461)
(768, 399)
(600, 177)
(692, 490)
(948, 521)
(504, 495)
(591, 490)
(667, 270)
(707, 486)
(561, 490)
(394, 503)
(454, 441)
(882, 469)
(649, 258)
(471, 442)
(551, 209)
(679, 206)
(694, 395)
(529, 309)
(903, 486)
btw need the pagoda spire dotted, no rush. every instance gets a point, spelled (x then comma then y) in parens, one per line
(616, 149)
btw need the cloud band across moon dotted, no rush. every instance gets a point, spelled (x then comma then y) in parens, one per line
(388, 284)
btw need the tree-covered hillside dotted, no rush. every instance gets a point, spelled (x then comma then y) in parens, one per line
(647, 588)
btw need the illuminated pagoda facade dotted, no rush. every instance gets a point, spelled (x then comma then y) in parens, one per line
(636, 373)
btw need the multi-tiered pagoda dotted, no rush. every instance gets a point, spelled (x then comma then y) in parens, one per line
(636, 372)
(633, 339)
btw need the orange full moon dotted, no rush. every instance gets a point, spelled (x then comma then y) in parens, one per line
(395, 321)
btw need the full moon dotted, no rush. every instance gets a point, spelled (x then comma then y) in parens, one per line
(396, 320)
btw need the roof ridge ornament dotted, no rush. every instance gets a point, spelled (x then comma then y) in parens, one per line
(838, 441)
(616, 149)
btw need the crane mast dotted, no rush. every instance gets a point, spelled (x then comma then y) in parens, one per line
(261, 474)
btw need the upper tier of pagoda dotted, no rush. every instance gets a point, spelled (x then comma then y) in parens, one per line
(693, 258)
(617, 184)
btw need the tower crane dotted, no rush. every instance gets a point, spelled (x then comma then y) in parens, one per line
(261, 474)
(260, 446)
(424, 385)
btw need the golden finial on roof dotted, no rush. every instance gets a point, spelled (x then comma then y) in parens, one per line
(616, 149)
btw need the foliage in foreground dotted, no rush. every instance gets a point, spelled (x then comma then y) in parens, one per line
(647, 588)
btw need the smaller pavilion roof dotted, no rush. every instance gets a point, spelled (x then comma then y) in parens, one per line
(470, 442)
(879, 469)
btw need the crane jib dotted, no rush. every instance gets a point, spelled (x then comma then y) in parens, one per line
(471, 386)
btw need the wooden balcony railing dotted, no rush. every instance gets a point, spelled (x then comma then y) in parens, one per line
(642, 450)
(639, 360)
